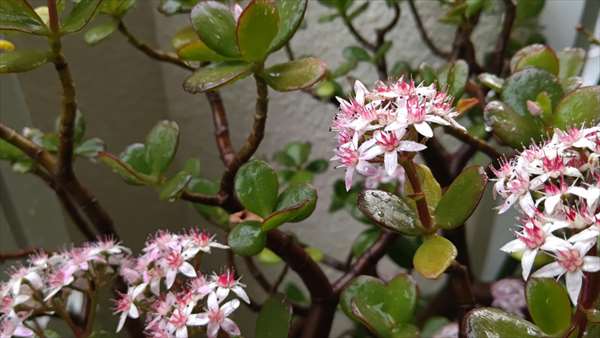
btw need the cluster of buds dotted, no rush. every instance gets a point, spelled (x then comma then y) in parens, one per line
(164, 286)
(375, 127)
(52, 281)
(556, 186)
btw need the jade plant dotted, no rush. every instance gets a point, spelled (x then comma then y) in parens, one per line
(526, 129)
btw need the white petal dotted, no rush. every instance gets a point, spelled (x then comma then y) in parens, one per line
(199, 319)
(550, 270)
(372, 153)
(585, 235)
(551, 202)
(348, 178)
(527, 205)
(239, 291)
(213, 300)
(230, 327)
(133, 311)
(513, 246)
(212, 330)
(390, 160)
(574, 281)
(591, 264)
(230, 306)
(182, 332)
(188, 270)
(121, 321)
(411, 146)
(527, 261)
(359, 91)
(170, 278)
(424, 129)
(552, 243)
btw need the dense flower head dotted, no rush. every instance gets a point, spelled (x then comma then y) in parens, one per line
(47, 278)
(376, 126)
(556, 187)
(166, 289)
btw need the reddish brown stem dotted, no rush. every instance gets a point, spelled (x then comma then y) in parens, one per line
(422, 207)
(498, 55)
(222, 137)
(423, 32)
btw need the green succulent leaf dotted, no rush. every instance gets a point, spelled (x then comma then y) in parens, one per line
(192, 167)
(174, 186)
(491, 81)
(581, 106)
(294, 204)
(23, 60)
(10, 153)
(100, 32)
(212, 213)
(268, 257)
(135, 156)
(461, 198)
(256, 28)
(161, 145)
(83, 11)
(275, 318)
(549, 305)
(216, 26)
(128, 173)
(256, 186)
(571, 62)
(247, 238)
(190, 48)
(433, 325)
(427, 74)
(90, 148)
(434, 256)
(429, 185)
(389, 211)
(171, 7)
(294, 75)
(511, 128)
(355, 53)
(454, 77)
(317, 166)
(298, 152)
(19, 15)
(291, 13)
(116, 8)
(536, 56)
(216, 75)
(527, 9)
(490, 322)
(526, 85)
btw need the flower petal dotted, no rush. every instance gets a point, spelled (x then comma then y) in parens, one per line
(230, 327)
(550, 270)
(574, 281)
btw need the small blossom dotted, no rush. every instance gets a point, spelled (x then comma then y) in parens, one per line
(216, 317)
(125, 305)
(226, 282)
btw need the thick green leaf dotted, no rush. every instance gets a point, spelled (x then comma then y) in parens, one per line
(268, 257)
(247, 238)
(461, 198)
(295, 294)
(364, 241)
(365, 287)
(536, 56)
(192, 167)
(295, 204)
(571, 62)
(294, 75)
(216, 75)
(490, 322)
(189, 47)
(90, 148)
(511, 128)
(579, 107)
(491, 81)
(124, 170)
(549, 305)
(356, 53)
(174, 186)
(291, 13)
(526, 85)
(170, 7)
(389, 211)
(116, 8)
(256, 28)
(10, 153)
(135, 156)
(79, 16)
(256, 186)
(434, 256)
(403, 249)
(454, 77)
(18, 15)
(22, 60)
(401, 298)
(274, 319)
(317, 166)
(98, 33)
(215, 24)
(429, 185)
(298, 152)
(433, 325)
(527, 9)
(161, 145)
(208, 187)
(372, 317)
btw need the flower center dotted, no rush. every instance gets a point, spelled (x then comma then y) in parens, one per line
(570, 259)
(533, 236)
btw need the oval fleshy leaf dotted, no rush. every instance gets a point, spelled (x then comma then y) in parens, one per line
(368, 288)
(135, 156)
(461, 198)
(174, 187)
(171, 7)
(291, 13)
(429, 185)
(579, 107)
(364, 241)
(19, 15)
(116, 8)
(22, 60)
(256, 28)
(571, 61)
(434, 256)
(537, 56)
(129, 174)
(526, 85)
(161, 145)
(490, 322)
(247, 238)
(215, 24)
(491, 81)
(295, 204)
(216, 75)
(98, 33)
(294, 75)
(208, 187)
(454, 77)
(82, 12)
(274, 319)
(511, 128)
(256, 186)
(388, 211)
(549, 305)
(190, 48)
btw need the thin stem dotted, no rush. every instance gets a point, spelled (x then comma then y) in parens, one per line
(53, 16)
(258, 275)
(222, 137)
(423, 32)
(510, 11)
(64, 315)
(474, 142)
(35, 152)
(151, 52)
(422, 207)
(280, 278)
(363, 41)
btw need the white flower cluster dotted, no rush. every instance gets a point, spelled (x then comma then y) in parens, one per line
(383, 123)
(557, 188)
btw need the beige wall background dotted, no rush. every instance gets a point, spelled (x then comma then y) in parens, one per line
(123, 94)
